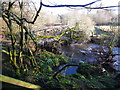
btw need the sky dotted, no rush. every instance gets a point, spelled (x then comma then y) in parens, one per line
(63, 10)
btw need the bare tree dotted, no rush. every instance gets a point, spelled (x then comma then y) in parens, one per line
(18, 11)
(103, 16)
(83, 22)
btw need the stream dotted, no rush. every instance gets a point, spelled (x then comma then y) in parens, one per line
(89, 53)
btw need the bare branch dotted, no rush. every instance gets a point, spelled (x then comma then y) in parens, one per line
(102, 7)
(85, 6)
(70, 5)
(55, 75)
(35, 18)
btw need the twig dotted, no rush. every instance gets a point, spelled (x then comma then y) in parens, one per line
(70, 5)
(37, 14)
(85, 6)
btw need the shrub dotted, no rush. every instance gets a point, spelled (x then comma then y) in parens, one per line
(83, 22)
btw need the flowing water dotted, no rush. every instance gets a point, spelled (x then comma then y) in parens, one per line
(89, 53)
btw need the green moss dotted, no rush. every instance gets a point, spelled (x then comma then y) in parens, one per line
(87, 69)
(52, 59)
(93, 77)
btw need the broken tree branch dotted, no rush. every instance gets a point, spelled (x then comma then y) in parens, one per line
(55, 75)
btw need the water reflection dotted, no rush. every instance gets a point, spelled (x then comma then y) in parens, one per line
(116, 50)
(89, 53)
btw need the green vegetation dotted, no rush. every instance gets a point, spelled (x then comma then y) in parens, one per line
(86, 80)
(88, 76)
(26, 60)
(107, 38)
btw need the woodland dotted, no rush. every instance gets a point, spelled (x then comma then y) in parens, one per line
(76, 51)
